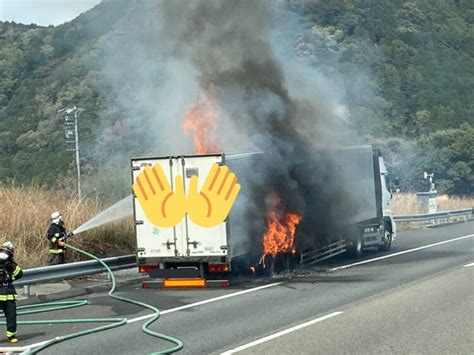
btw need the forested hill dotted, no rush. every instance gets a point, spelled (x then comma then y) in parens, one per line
(419, 108)
(44, 69)
(426, 74)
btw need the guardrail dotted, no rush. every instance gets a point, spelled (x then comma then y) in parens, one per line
(437, 217)
(315, 256)
(81, 268)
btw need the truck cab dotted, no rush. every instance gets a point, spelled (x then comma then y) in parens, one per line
(390, 229)
(379, 231)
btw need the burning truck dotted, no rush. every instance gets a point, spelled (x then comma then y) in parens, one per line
(300, 201)
(331, 201)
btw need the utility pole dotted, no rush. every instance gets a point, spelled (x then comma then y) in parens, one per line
(71, 116)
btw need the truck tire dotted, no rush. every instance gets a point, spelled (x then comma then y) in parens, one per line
(357, 248)
(387, 241)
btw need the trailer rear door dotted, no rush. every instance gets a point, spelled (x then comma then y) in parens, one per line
(154, 241)
(200, 241)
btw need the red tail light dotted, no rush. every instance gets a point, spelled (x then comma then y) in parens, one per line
(219, 267)
(147, 268)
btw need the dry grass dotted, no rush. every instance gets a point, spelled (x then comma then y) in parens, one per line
(404, 204)
(24, 219)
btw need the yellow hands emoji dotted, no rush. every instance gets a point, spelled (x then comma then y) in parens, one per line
(211, 206)
(165, 208)
(161, 205)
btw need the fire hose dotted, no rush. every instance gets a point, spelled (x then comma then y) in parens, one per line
(115, 322)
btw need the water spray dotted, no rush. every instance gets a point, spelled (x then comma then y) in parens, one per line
(119, 210)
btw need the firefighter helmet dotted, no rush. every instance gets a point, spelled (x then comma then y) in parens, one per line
(56, 217)
(8, 247)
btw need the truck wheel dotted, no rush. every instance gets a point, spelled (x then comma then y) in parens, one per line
(357, 248)
(387, 242)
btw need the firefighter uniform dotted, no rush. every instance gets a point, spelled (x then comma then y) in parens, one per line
(10, 272)
(57, 249)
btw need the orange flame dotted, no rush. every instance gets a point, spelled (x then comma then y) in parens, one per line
(280, 234)
(201, 119)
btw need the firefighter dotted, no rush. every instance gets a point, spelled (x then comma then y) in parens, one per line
(10, 272)
(57, 235)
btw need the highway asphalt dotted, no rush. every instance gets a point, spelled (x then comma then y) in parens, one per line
(433, 315)
(418, 298)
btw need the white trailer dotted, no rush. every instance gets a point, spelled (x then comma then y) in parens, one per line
(185, 249)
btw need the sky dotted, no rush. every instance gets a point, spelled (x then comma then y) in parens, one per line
(43, 12)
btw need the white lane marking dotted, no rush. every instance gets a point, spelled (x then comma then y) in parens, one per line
(133, 320)
(16, 349)
(401, 252)
(279, 334)
(467, 265)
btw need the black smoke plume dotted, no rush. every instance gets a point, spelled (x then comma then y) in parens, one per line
(228, 43)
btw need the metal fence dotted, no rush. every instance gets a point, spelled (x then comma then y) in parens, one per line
(438, 217)
(315, 256)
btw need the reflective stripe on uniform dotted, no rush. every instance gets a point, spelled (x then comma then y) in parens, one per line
(56, 251)
(8, 297)
(53, 239)
(56, 235)
(10, 334)
(16, 271)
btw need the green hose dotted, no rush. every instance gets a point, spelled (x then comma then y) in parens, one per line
(115, 322)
